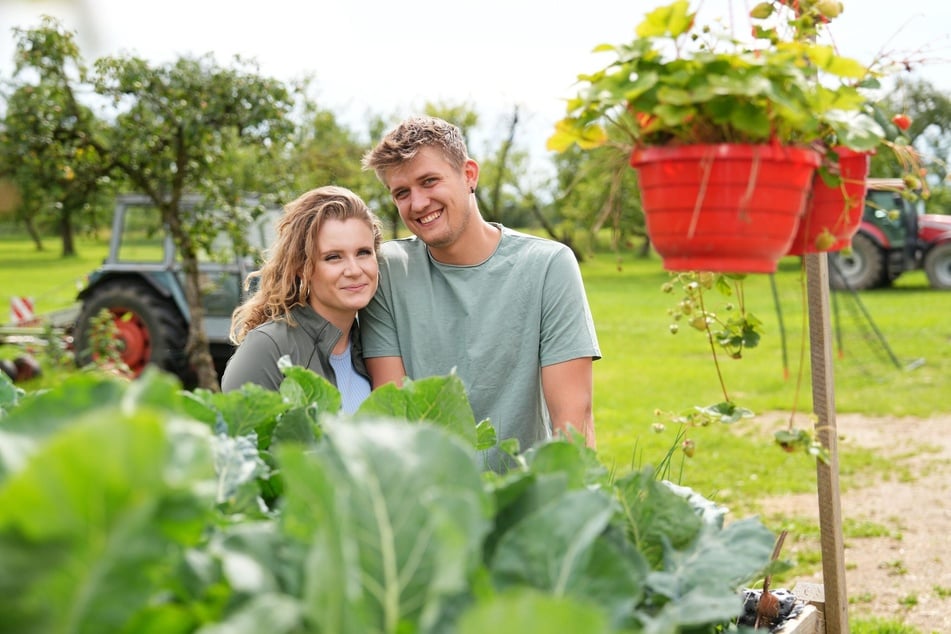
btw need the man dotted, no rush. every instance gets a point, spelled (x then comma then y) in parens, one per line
(505, 310)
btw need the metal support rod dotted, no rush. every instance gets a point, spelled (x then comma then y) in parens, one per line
(868, 318)
(782, 326)
(827, 475)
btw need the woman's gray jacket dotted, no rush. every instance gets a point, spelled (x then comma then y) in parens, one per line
(308, 344)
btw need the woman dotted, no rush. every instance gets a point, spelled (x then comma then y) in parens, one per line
(320, 271)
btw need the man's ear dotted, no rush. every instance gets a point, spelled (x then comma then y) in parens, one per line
(471, 171)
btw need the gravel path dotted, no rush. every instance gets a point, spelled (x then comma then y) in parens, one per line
(905, 574)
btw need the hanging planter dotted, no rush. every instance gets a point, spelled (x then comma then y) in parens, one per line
(728, 208)
(671, 93)
(834, 210)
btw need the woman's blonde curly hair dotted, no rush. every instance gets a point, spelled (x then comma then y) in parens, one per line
(284, 278)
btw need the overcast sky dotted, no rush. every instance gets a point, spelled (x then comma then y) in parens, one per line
(390, 56)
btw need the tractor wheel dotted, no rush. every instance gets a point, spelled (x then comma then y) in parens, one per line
(151, 329)
(938, 266)
(861, 269)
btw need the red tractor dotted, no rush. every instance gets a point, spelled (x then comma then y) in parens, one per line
(895, 236)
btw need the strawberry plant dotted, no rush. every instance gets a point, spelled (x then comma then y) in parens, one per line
(727, 327)
(680, 81)
(714, 304)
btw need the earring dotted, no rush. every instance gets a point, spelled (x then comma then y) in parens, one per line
(472, 190)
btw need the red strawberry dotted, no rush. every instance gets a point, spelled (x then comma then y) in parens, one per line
(902, 121)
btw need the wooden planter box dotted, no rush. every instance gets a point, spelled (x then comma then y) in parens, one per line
(809, 620)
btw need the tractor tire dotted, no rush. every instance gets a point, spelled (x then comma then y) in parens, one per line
(152, 331)
(938, 266)
(862, 269)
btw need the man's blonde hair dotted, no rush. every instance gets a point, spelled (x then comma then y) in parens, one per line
(403, 143)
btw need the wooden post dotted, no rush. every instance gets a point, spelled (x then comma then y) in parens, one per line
(827, 475)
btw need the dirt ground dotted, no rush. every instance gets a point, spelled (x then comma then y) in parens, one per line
(904, 575)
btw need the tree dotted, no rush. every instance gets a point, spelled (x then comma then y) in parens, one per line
(325, 152)
(597, 188)
(45, 143)
(376, 196)
(175, 129)
(187, 127)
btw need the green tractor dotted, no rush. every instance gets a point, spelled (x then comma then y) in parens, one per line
(896, 235)
(141, 284)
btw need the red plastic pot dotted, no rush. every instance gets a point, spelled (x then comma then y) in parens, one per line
(833, 214)
(723, 208)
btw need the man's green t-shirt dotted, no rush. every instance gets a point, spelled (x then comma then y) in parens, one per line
(496, 324)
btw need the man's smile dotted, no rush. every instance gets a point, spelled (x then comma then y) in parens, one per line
(428, 218)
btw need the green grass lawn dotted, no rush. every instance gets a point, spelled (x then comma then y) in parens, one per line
(889, 348)
(50, 279)
(646, 368)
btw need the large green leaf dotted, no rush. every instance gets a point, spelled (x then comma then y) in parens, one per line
(221, 581)
(655, 515)
(615, 577)
(571, 525)
(726, 557)
(701, 582)
(238, 466)
(527, 611)
(99, 512)
(155, 389)
(315, 513)
(552, 469)
(41, 414)
(240, 412)
(567, 547)
(255, 558)
(271, 613)
(291, 414)
(518, 494)
(304, 388)
(402, 502)
(440, 399)
(296, 425)
(572, 459)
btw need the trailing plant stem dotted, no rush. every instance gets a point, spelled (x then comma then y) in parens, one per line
(804, 330)
(713, 349)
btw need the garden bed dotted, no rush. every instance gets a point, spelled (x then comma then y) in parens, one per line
(799, 612)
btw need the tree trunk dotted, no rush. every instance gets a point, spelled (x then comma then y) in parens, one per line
(547, 226)
(66, 232)
(34, 234)
(565, 240)
(493, 210)
(197, 347)
(610, 205)
(645, 247)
